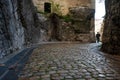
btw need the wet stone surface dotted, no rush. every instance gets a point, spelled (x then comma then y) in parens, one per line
(70, 62)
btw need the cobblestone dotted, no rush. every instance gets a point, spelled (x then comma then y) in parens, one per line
(70, 62)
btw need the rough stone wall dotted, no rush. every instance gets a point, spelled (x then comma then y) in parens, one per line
(111, 33)
(18, 21)
(45, 27)
(81, 26)
(30, 21)
(11, 30)
(65, 4)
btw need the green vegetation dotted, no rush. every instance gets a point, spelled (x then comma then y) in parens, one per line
(56, 8)
(67, 18)
(41, 12)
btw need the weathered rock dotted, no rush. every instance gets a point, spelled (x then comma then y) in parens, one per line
(80, 26)
(66, 32)
(83, 18)
(54, 26)
(11, 30)
(29, 20)
(111, 33)
(18, 25)
(83, 21)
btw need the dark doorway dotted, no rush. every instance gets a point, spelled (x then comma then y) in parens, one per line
(47, 7)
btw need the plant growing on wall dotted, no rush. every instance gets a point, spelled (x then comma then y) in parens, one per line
(56, 8)
(67, 18)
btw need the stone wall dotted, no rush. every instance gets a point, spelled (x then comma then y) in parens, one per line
(81, 13)
(80, 27)
(65, 4)
(111, 33)
(30, 21)
(18, 25)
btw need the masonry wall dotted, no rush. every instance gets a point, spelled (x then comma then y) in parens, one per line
(65, 4)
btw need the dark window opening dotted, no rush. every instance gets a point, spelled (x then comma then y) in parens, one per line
(47, 7)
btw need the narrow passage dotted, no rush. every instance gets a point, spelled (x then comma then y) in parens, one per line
(68, 61)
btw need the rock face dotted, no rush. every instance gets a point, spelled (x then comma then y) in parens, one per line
(81, 14)
(77, 26)
(44, 23)
(83, 23)
(111, 33)
(18, 25)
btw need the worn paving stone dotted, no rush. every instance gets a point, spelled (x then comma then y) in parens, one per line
(70, 62)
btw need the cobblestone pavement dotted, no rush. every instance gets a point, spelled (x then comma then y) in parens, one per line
(70, 62)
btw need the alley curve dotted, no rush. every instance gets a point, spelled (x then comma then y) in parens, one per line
(70, 61)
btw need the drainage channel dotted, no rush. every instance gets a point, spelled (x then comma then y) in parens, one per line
(11, 68)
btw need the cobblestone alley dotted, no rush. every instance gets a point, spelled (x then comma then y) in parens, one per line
(70, 61)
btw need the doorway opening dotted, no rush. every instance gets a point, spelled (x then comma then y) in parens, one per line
(47, 7)
(99, 16)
